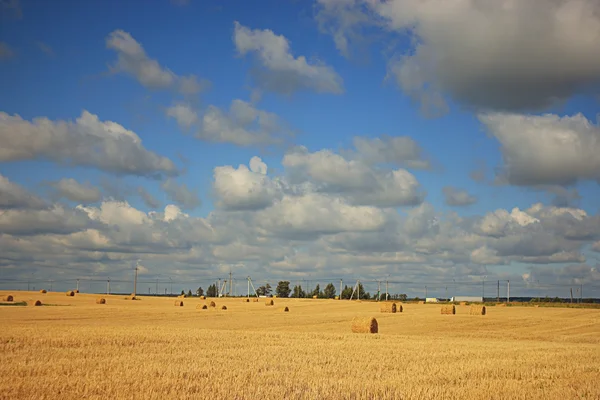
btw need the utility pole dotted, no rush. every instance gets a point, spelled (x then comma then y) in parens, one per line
(508, 291)
(219, 288)
(135, 282)
(340, 297)
(581, 293)
(571, 295)
(378, 290)
(248, 287)
(386, 290)
(171, 282)
(447, 293)
(108, 285)
(230, 284)
(156, 290)
(498, 291)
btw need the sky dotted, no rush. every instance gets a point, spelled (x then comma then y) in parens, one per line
(424, 142)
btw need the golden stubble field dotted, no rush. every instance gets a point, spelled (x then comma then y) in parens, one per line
(150, 349)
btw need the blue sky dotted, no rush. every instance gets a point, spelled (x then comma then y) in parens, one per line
(57, 62)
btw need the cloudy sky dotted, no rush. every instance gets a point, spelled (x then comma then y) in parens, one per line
(426, 142)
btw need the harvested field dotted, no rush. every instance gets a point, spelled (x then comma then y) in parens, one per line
(513, 353)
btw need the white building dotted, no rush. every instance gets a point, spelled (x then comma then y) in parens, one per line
(471, 299)
(431, 300)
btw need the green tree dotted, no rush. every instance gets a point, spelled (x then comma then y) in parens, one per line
(212, 290)
(189, 294)
(183, 292)
(268, 290)
(347, 292)
(298, 292)
(402, 297)
(283, 289)
(199, 292)
(329, 291)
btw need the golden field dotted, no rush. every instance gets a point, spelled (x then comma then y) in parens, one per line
(150, 349)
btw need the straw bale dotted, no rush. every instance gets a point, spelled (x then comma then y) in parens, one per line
(178, 303)
(100, 300)
(448, 310)
(8, 298)
(387, 307)
(212, 304)
(43, 291)
(37, 303)
(364, 325)
(70, 293)
(223, 307)
(477, 309)
(286, 309)
(269, 302)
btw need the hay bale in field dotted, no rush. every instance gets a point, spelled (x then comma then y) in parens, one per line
(8, 298)
(388, 308)
(314, 297)
(421, 302)
(449, 310)
(100, 300)
(477, 309)
(463, 303)
(255, 300)
(70, 293)
(223, 307)
(286, 309)
(364, 325)
(202, 297)
(536, 306)
(336, 298)
(246, 300)
(179, 303)
(212, 304)
(501, 305)
(131, 297)
(43, 291)
(399, 308)
(201, 307)
(77, 291)
(269, 302)
(37, 303)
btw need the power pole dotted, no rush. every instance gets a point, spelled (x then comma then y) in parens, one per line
(498, 291)
(108, 286)
(386, 290)
(219, 288)
(581, 293)
(230, 284)
(340, 297)
(156, 290)
(508, 291)
(378, 290)
(248, 287)
(135, 282)
(446, 293)
(571, 295)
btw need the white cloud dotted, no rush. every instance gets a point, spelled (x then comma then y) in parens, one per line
(399, 150)
(184, 114)
(279, 70)
(546, 149)
(55, 220)
(181, 194)
(14, 196)
(147, 198)
(457, 197)
(354, 178)
(243, 188)
(487, 55)
(86, 142)
(243, 125)
(75, 191)
(133, 60)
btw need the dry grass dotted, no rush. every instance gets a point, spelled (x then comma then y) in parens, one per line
(477, 309)
(364, 325)
(145, 349)
(501, 305)
(463, 303)
(448, 310)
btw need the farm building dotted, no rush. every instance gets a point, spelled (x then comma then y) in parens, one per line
(471, 299)
(431, 300)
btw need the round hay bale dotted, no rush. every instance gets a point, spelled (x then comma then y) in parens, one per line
(202, 297)
(201, 307)
(314, 297)
(463, 303)
(212, 304)
(449, 310)
(77, 291)
(8, 298)
(421, 302)
(100, 300)
(364, 325)
(205, 307)
(477, 310)
(179, 303)
(223, 307)
(70, 293)
(399, 308)
(388, 307)
(246, 300)
(255, 300)
(269, 302)
(336, 297)
(286, 309)
(43, 291)
(37, 303)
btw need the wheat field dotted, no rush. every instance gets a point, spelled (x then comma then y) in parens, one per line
(73, 348)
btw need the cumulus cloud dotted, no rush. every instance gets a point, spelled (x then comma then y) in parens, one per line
(55, 220)
(13, 196)
(243, 125)
(399, 150)
(457, 197)
(70, 189)
(462, 48)
(184, 114)
(87, 141)
(133, 60)
(243, 188)
(278, 69)
(546, 149)
(147, 198)
(362, 183)
(5, 52)
(180, 194)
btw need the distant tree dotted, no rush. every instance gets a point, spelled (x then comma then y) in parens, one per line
(268, 290)
(347, 292)
(261, 290)
(283, 289)
(212, 290)
(417, 299)
(298, 292)
(329, 291)
(199, 292)
(316, 292)
(189, 293)
(402, 297)
(183, 292)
